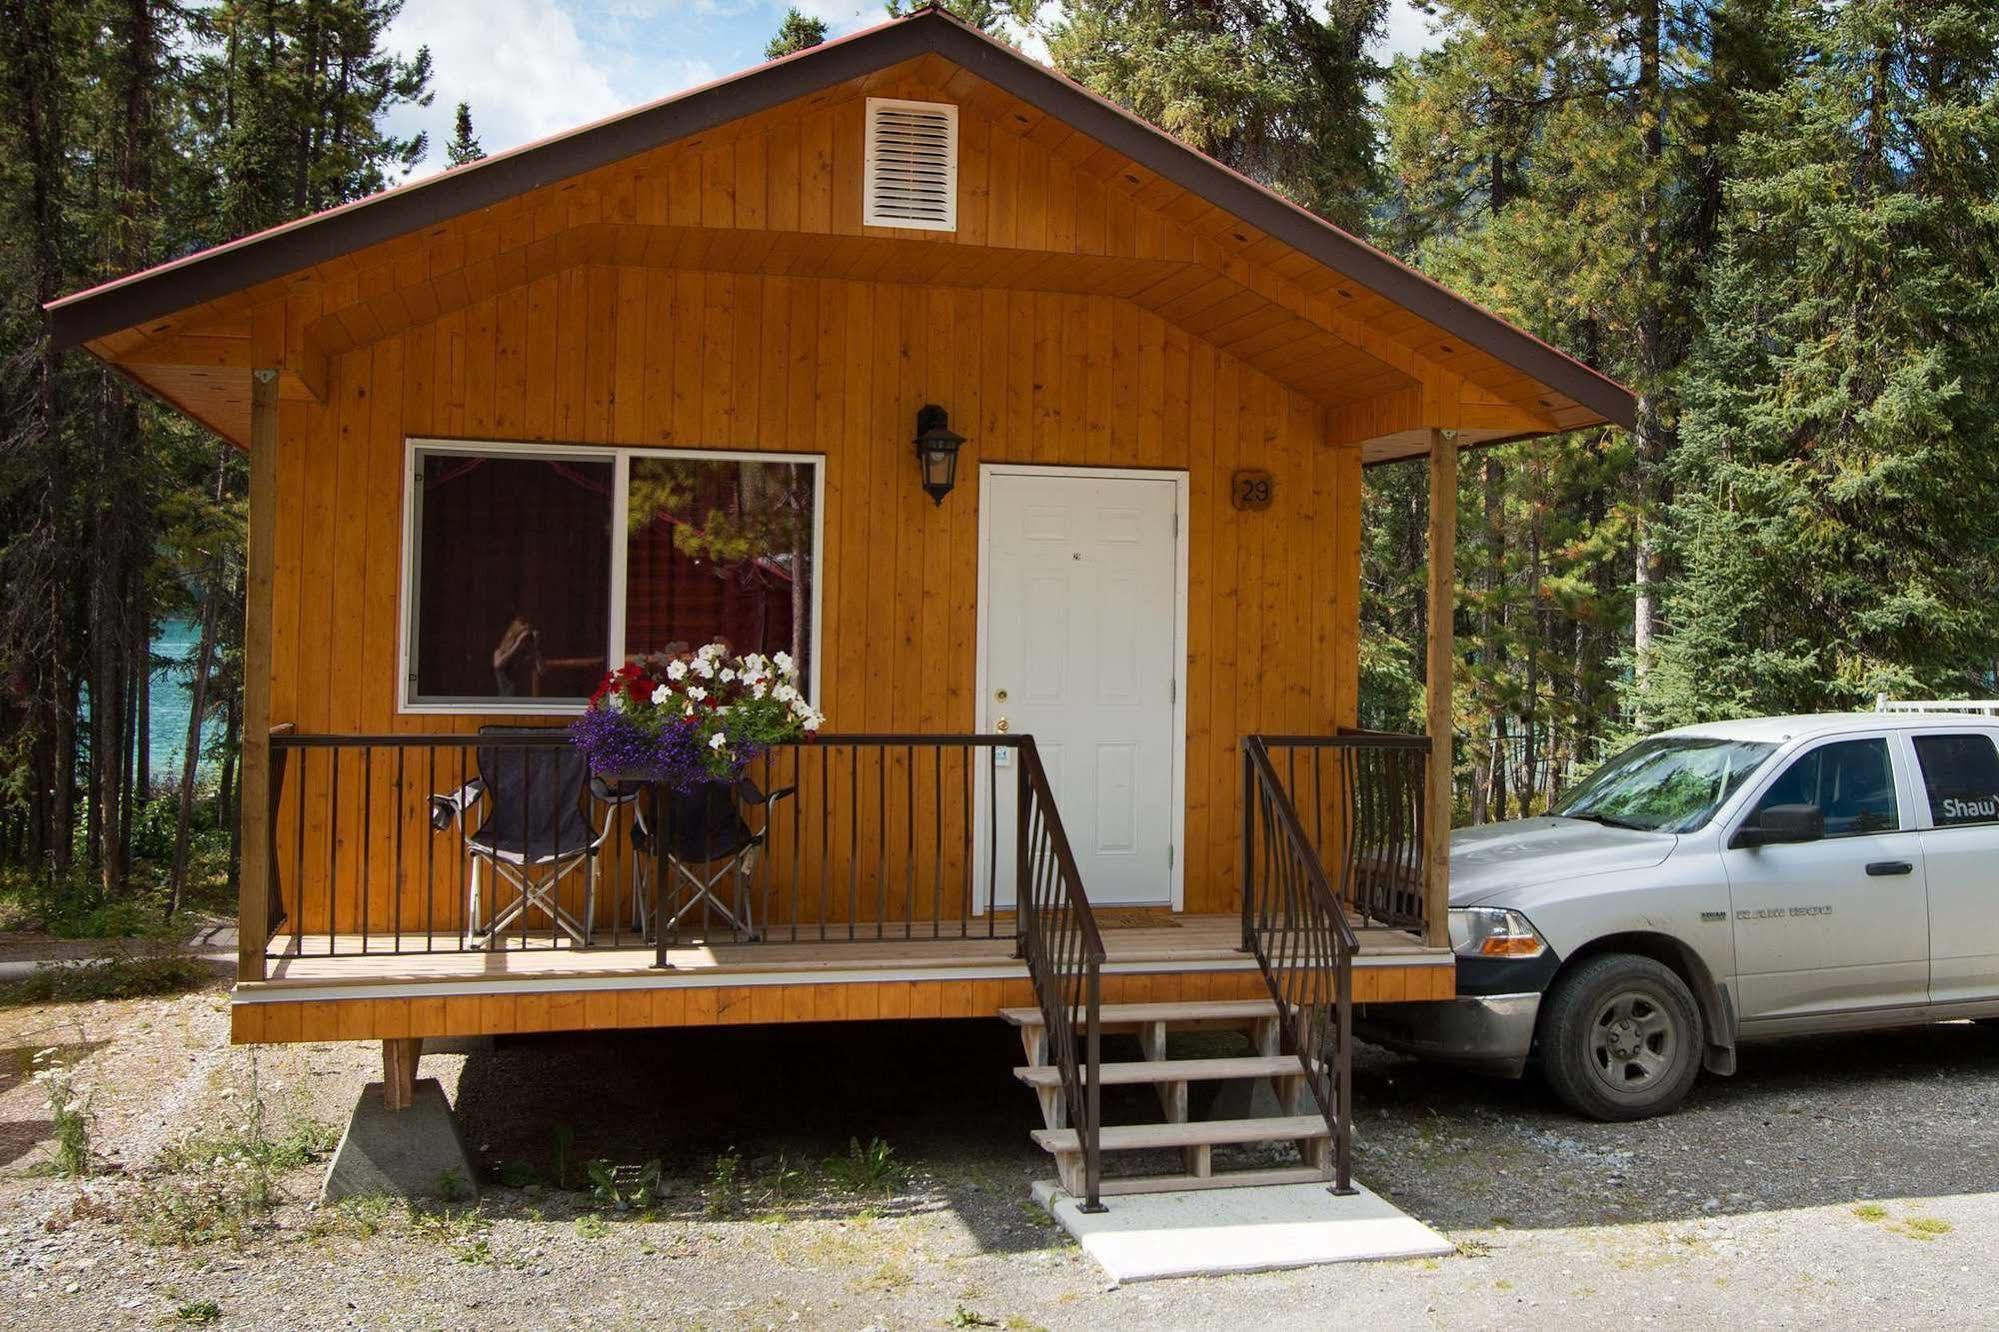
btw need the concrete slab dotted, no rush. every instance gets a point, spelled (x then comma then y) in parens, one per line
(413, 1153)
(1213, 1232)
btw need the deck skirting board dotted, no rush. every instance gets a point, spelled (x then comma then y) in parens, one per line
(710, 978)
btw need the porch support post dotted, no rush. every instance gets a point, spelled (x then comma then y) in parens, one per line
(399, 1056)
(253, 879)
(1439, 661)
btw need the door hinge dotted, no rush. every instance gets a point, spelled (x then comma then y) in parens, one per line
(1173, 691)
(1176, 524)
(1169, 855)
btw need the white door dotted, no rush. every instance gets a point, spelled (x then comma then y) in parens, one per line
(1081, 620)
(1960, 839)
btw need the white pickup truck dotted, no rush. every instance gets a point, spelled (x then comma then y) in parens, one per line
(1718, 884)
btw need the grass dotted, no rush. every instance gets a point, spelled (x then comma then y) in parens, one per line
(198, 1312)
(1871, 1212)
(116, 975)
(214, 1187)
(870, 1169)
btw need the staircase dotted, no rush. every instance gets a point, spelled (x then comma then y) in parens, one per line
(1301, 1123)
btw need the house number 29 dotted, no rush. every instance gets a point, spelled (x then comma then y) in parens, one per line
(1252, 490)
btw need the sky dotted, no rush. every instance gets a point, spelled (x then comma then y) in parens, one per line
(530, 68)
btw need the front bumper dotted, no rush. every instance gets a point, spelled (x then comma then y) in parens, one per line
(1492, 1033)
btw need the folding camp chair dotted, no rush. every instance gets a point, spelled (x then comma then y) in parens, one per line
(534, 834)
(710, 850)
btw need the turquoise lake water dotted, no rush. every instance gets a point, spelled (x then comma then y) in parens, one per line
(171, 698)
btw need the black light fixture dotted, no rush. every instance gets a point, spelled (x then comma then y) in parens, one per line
(937, 450)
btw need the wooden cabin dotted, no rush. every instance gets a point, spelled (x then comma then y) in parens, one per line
(660, 379)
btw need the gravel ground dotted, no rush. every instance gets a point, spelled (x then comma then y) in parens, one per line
(1839, 1182)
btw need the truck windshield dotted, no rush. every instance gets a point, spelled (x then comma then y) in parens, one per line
(1665, 784)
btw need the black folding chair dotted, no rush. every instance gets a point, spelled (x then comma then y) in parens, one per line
(535, 833)
(710, 850)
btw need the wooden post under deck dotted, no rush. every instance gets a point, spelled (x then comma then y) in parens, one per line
(1439, 660)
(399, 1056)
(253, 880)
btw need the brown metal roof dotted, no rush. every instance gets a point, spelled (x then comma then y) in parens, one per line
(243, 263)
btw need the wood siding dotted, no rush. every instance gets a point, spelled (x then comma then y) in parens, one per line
(607, 354)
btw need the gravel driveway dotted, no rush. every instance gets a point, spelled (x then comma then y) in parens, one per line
(1835, 1182)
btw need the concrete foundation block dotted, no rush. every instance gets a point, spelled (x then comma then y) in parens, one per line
(413, 1153)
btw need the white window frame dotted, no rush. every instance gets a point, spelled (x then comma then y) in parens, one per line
(620, 458)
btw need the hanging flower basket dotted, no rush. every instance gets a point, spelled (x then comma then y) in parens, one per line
(693, 717)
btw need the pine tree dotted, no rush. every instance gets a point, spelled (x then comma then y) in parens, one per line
(464, 144)
(985, 15)
(798, 32)
(1269, 87)
(1839, 485)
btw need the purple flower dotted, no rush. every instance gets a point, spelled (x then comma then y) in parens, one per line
(618, 745)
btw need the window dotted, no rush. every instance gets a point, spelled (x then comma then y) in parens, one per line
(532, 570)
(1851, 782)
(1960, 777)
(1667, 784)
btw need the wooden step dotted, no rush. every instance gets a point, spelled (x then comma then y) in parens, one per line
(1207, 1010)
(1172, 1070)
(1201, 1133)
(1228, 1179)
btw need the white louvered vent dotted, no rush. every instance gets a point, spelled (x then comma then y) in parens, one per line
(911, 165)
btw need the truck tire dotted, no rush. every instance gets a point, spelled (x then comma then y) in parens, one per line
(1621, 1038)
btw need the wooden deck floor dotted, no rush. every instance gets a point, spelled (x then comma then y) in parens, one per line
(348, 994)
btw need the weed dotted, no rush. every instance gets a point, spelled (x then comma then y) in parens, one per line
(450, 1187)
(1871, 1212)
(305, 1142)
(1924, 1227)
(69, 1112)
(198, 1312)
(625, 1187)
(870, 1169)
(724, 1189)
(590, 1226)
(515, 1174)
(784, 1180)
(479, 1253)
(446, 1225)
(1015, 1323)
(1471, 1248)
(565, 1141)
(358, 1218)
(892, 1275)
(963, 1317)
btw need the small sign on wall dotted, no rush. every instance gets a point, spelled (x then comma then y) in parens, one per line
(1251, 490)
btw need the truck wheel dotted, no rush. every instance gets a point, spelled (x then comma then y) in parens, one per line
(1621, 1038)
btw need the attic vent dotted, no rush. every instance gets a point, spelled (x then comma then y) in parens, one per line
(912, 165)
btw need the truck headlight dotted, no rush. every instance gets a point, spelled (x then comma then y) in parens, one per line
(1494, 932)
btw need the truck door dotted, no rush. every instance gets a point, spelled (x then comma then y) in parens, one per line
(1839, 924)
(1960, 837)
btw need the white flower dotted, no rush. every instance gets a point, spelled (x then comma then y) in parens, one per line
(784, 693)
(687, 711)
(756, 663)
(708, 652)
(717, 740)
(785, 663)
(704, 668)
(659, 696)
(696, 692)
(812, 723)
(676, 670)
(618, 702)
(758, 690)
(721, 712)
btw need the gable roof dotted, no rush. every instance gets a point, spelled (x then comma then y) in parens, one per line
(237, 265)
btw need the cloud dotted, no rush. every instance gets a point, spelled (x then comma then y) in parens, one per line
(1408, 32)
(520, 63)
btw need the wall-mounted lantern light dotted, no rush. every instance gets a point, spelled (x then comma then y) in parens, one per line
(937, 450)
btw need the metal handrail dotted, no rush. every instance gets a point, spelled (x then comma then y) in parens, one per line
(1064, 952)
(1294, 925)
(1359, 796)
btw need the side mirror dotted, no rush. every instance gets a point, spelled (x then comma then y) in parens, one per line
(1782, 824)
